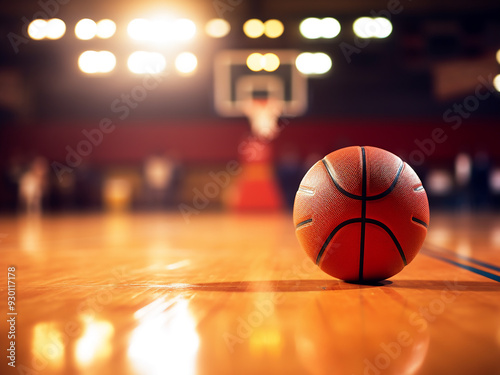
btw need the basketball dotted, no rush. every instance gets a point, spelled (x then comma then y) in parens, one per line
(361, 214)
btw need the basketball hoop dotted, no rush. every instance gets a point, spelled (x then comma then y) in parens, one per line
(263, 115)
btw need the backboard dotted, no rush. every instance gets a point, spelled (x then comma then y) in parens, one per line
(235, 84)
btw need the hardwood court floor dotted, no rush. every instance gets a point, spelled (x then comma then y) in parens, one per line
(234, 294)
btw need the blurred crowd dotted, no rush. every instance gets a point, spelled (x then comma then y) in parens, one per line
(161, 182)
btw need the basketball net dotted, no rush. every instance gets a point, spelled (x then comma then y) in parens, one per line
(263, 115)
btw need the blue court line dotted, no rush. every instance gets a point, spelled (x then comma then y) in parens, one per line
(469, 259)
(477, 271)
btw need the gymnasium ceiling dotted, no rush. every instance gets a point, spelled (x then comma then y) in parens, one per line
(430, 33)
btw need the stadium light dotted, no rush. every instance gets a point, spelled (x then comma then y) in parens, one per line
(86, 29)
(313, 63)
(268, 62)
(93, 62)
(330, 28)
(366, 27)
(186, 63)
(37, 29)
(42, 29)
(254, 28)
(217, 28)
(141, 62)
(254, 62)
(161, 30)
(496, 82)
(273, 28)
(139, 29)
(310, 28)
(315, 28)
(105, 29)
(55, 28)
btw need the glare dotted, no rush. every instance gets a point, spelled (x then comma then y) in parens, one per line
(179, 264)
(92, 62)
(184, 29)
(217, 28)
(161, 30)
(95, 342)
(366, 27)
(165, 339)
(496, 82)
(141, 62)
(273, 28)
(253, 28)
(315, 28)
(55, 28)
(37, 29)
(186, 63)
(268, 62)
(106, 29)
(266, 341)
(313, 63)
(498, 56)
(85, 29)
(48, 341)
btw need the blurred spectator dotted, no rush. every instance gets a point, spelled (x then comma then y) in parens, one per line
(160, 173)
(33, 185)
(463, 171)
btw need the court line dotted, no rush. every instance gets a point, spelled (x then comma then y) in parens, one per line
(469, 259)
(475, 270)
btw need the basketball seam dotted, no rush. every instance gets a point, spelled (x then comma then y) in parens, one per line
(363, 214)
(360, 197)
(333, 232)
(303, 223)
(358, 220)
(392, 235)
(418, 221)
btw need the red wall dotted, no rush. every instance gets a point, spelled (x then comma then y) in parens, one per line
(218, 140)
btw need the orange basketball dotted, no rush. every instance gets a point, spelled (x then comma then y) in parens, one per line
(361, 214)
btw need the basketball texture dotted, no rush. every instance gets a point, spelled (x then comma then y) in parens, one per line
(361, 214)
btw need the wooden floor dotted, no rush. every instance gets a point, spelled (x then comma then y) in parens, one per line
(234, 294)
